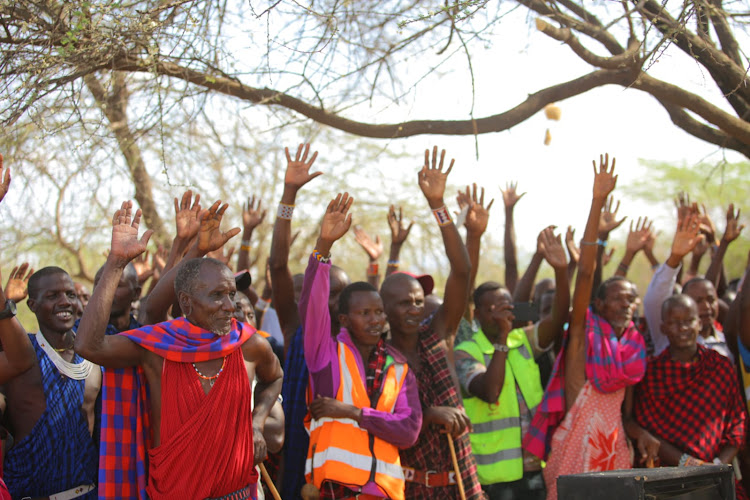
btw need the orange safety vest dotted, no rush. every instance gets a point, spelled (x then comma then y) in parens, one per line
(341, 450)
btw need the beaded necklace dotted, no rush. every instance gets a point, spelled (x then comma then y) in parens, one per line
(212, 379)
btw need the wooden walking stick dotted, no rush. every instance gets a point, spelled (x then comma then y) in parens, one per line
(459, 480)
(269, 483)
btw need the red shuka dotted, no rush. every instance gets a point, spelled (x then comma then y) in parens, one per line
(206, 445)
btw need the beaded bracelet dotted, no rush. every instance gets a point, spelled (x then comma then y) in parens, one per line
(601, 243)
(442, 216)
(393, 263)
(319, 257)
(622, 267)
(285, 211)
(372, 269)
(245, 248)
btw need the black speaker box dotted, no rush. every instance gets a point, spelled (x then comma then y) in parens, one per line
(707, 482)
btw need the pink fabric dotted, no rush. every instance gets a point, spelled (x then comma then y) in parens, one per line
(590, 438)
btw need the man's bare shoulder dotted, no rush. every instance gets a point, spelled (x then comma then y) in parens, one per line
(256, 347)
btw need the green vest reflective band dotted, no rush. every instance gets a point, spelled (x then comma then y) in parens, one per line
(496, 439)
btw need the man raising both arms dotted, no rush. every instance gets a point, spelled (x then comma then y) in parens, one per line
(198, 370)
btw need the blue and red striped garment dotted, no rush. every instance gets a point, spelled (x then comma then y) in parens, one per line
(126, 419)
(611, 364)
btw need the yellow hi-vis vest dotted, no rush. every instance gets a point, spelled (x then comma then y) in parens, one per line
(496, 439)
(341, 451)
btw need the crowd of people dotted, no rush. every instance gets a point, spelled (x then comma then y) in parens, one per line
(333, 389)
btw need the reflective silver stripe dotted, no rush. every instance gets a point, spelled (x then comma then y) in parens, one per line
(346, 377)
(497, 425)
(361, 462)
(524, 352)
(493, 458)
(318, 422)
(399, 371)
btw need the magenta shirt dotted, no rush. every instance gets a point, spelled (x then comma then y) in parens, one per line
(400, 428)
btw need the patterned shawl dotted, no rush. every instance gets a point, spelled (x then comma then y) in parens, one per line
(611, 364)
(126, 419)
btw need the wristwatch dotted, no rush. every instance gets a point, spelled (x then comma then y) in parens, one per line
(501, 347)
(9, 311)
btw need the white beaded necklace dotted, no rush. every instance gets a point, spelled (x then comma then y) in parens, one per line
(78, 371)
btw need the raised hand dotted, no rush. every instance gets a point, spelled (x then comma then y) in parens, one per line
(478, 215)
(639, 236)
(187, 216)
(605, 178)
(159, 261)
(399, 229)
(337, 219)
(143, 267)
(125, 243)
(607, 256)
(298, 170)
(552, 248)
(432, 179)
(573, 250)
(210, 236)
(510, 194)
(608, 219)
(252, 213)
(16, 289)
(683, 205)
(687, 236)
(374, 249)
(707, 225)
(5, 185)
(734, 228)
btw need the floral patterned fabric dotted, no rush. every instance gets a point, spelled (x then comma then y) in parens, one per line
(590, 438)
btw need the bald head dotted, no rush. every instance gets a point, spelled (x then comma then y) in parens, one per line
(396, 282)
(675, 302)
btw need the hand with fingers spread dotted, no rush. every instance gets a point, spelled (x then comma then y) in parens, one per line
(16, 289)
(399, 229)
(734, 228)
(683, 205)
(125, 243)
(478, 215)
(608, 219)
(298, 170)
(552, 248)
(210, 236)
(5, 176)
(221, 256)
(605, 180)
(336, 221)
(638, 237)
(686, 237)
(373, 248)
(707, 225)
(187, 215)
(432, 177)
(252, 214)
(143, 267)
(607, 256)
(159, 261)
(510, 195)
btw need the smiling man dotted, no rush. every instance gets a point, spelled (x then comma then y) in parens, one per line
(51, 406)
(687, 409)
(367, 406)
(188, 387)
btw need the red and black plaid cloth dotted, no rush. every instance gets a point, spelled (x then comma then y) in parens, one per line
(695, 406)
(330, 490)
(431, 452)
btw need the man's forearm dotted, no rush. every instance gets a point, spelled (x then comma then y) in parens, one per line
(91, 329)
(525, 285)
(243, 259)
(511, 262)
(265, 397)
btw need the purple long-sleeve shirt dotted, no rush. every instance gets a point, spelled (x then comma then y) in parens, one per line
(400, 428)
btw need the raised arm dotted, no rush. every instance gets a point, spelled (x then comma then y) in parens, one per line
(552, 250)
(477, 218)
(17, 287)
(607, 223)
(574, 252)
(18, 354)
(297, 175)
(210, 238)
(432, 179)
(743, 302)
(575, 353)
(112, 351)
(732, 232)
(525, 285)
(510, 198)
(252, 216)
(399, 232)
(373, 249)
(637, 239)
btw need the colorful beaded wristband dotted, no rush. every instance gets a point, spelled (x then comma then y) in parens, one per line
(372, 269)
(442, 216)
(319, 257)
(285, 211)
(393, 263)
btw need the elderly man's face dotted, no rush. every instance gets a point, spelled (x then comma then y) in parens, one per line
(212, 305)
